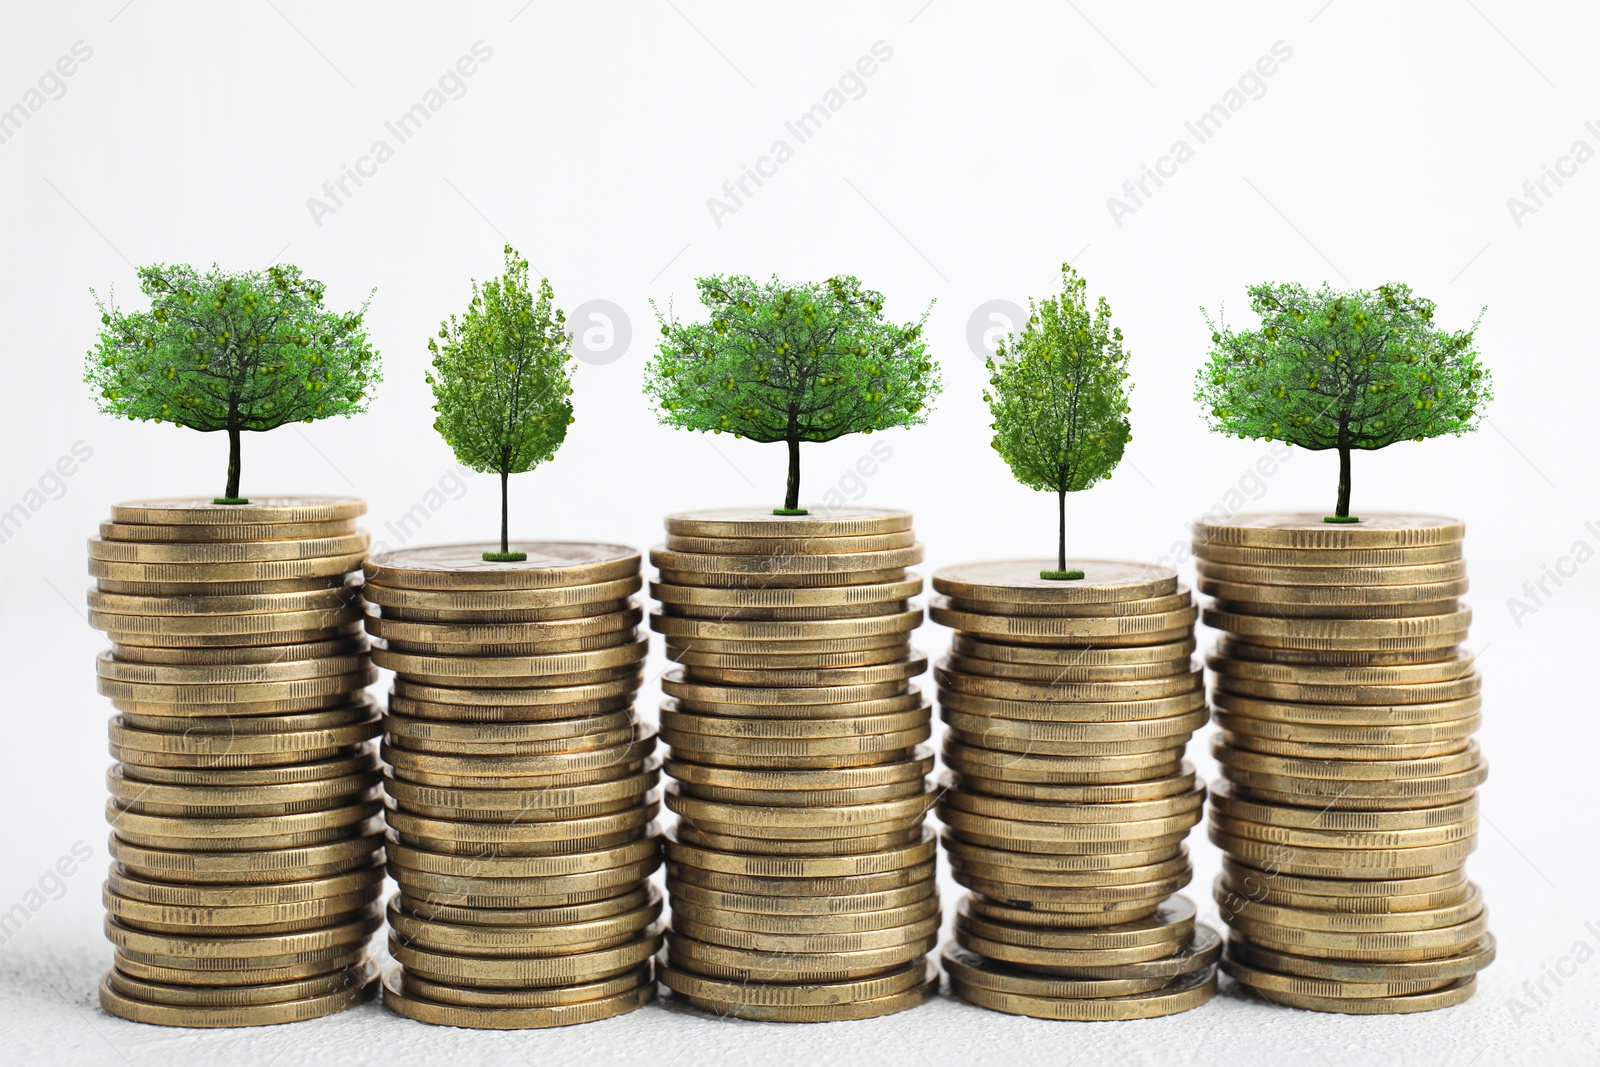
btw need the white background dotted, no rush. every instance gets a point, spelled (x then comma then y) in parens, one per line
(979, 157)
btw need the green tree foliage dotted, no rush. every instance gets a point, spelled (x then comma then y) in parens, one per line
(792, 363)
(1058, 395)
(502, 380)
(1342, 369)
(234, 351)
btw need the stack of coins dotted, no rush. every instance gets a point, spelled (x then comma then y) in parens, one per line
(1348, 804)
(247, 848)
(1067, 798)
(800, 874)
(519, 784)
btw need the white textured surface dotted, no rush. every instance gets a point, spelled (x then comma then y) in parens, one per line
(975, 160)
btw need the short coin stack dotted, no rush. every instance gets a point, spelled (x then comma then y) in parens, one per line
(519, 784)
(1068, 705)
(247, 852)
(1348, 806)
(800, 873)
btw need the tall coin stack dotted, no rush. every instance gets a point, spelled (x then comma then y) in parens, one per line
(1347, 807)
(246, 846)
(1068, 705)
(519, 784)
(800, 874)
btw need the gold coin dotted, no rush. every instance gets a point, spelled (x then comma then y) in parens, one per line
(674, 683)
(1335, 576)
(1307, 530)
(351, 645)
(196, 950)
(1395, 740)
(261, 510)
(233, 777)
(1297, 658)
(1400, 678)
(1051, 916)
(493, 602)
(213, 552)
(137, 828)
(191, 1015)
(1128, 811)
(1105, 630)
(914, 768)
(320, 598)
(467, 670)
(1182, 781)
(142, 990)
(790, 546)
(781, 579)
(535, 997)
(796, 824)
(803, 614)
(1145, 735)
(1235, 893)
(833, 563)
(248, 867)
(1331, 860)
(1463, 964)
(1264, 629)
(1266, 597)
(779, 887)
(1038, 891)
(130, 646)
(1362, 796)
(1346, 770)
(491, 865)
(113, 669)
(581, 912)
(750, 924)
(1071, 770)
(1375, 751)
(976, 827)
(675, 646)
(398, 998)
(551, 939)
(503, 633)
(902, 669)
(1326, 558)
(349, 726)
(1055, 675)
(1337, 611)
(743, 1006)
(255, 571)
(795, 751)
(1155, 605)
(1170, 926)
(968, 936)
(910, 698)
(1381, 924)
(865, 839)
(504, 972)
(1018, 582)
(693, 631)
(152, 533)
(1227, 801)
(846, 521)
(1179, 996)
(1071, 711)
(125, 884)
(1455, 993)
(970, 970)
(483, 892)
(513, 804)
(852, 907)
(1459, 688)
(217, 977)
(800, 798)
(1063, 691)
(759, 966)
(919, 851)
(462, 567)
(804, 661)
(151, 798)
(677, 722)
(1292, 712)
(1269, 985)
(128, 629)
(792, 995)
(1106, 870)
(829, 597)
(242, 921)
(1075, 657)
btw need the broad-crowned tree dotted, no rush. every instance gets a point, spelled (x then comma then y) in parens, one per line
(231, 350)
(502, 380)
(1058, 395)
(811, 361)
(1342, 369)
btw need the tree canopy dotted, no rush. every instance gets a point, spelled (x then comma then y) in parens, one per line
(231, 350)
(1058, 395)
(502, 378)
(1342, 369)
(811, 361)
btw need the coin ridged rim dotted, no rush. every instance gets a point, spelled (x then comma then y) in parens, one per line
(1179, 996)
(1308, 530)
(751, 522)
(668, 561)
(190, 1015)
(480, 1017)
(1464, 964)
(1017, 581)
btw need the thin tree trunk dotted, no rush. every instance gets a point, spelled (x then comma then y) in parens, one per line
(233, 463)
(1342, 510)
(791, 495)
(504, 524)
(1061, 540)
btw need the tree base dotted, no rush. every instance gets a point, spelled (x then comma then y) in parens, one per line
(505, 557)
(1341, 518)
(231, 500)
(1061, 576)
(790, 511)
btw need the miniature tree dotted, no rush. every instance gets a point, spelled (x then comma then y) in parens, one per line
(792, 363)
(231, 351)
(1058, 395)
(1342, 369)
(502, 379)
